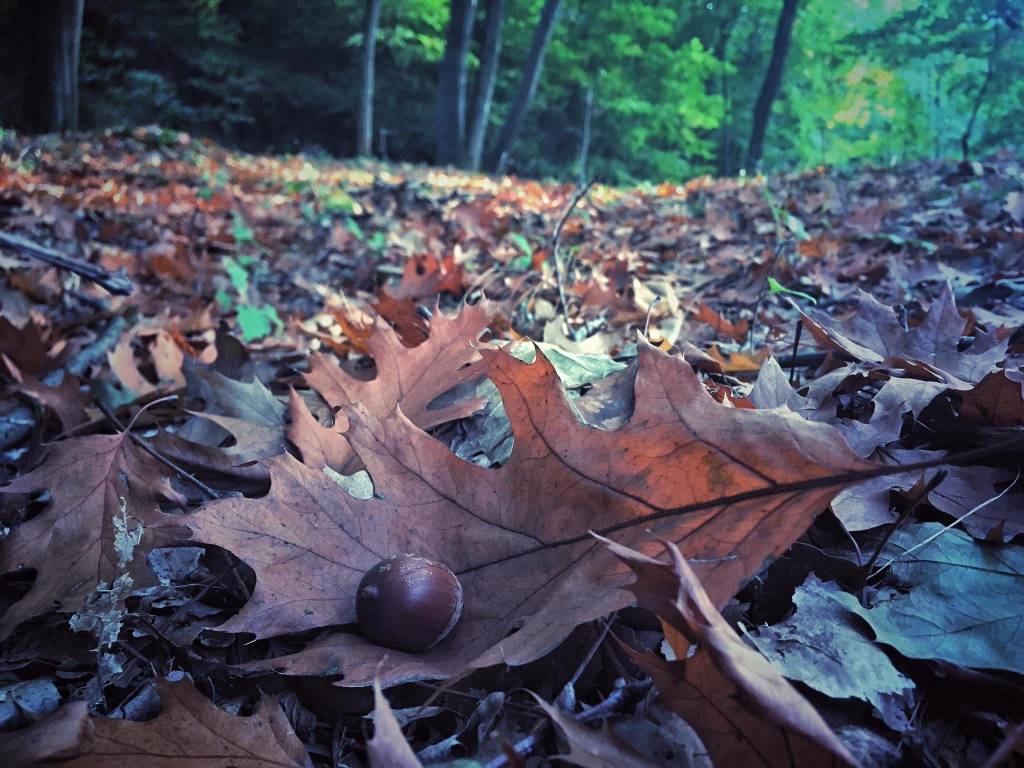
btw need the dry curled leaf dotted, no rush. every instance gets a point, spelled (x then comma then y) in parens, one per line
(744, 711)
(388, 747)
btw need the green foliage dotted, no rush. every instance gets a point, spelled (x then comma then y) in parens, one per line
(673, 84)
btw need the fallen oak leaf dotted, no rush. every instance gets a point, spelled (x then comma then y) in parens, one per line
(743, 710)
(876, 335)
(190, 730)
(95, 481)
(246, 410)
(414, 377)
(518, 536)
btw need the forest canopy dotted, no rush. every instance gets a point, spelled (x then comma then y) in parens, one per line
(648, 89)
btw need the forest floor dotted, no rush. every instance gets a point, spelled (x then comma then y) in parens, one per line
(792, 407)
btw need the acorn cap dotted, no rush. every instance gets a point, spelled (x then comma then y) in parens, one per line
(408, 603)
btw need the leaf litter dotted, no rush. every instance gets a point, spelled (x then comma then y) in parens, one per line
(740, 487)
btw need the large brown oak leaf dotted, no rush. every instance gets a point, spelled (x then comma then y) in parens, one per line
(731, 487)
(96, 482)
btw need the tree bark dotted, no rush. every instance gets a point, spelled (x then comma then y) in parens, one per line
(485, 82)
(527, 84)
(450, 130)
(588, 113)
(965, 137)
(772, 80)
(371, 20)
(51, 93)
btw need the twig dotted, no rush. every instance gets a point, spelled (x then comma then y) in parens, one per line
(139, 441)
(921, 496)
(764, 287)
(118, 283)
(567, 698)
(559, 267)
(87, 355)
(796, 346)
(615, 702)
(1010, 744)
(955, 523)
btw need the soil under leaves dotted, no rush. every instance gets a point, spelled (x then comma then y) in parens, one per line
(729, 471)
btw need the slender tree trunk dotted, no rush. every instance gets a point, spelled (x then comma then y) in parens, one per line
(965, 138)
(588, 113)
(772, 79)
(527, 84)
(725, 151)
(371, 20)
(485, 82)
(51, 93)
(450, 130)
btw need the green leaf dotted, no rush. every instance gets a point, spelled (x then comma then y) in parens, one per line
(241, 231)
(794, 225)
(521, 243)
(776, 287)
(338, 201)
(224, 299)
(237, 274)
(353, 226)
(257, 322)
(954, 599)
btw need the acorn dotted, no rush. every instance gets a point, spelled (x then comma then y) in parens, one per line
(408, 603)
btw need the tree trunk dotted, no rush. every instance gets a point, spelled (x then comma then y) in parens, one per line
(450, 130)
(485, 82)
(527, 84)
(51, 92)
(965, 137)
(371, 19)
(588, 112)
(772, 79)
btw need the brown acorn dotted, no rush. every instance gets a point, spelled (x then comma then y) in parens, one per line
(408, 603)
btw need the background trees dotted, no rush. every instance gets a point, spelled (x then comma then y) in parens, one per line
(674, 86)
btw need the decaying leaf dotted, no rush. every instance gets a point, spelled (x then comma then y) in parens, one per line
(388, 747)
(684, 466)
(72, 543)
(590, 748)
(190, 730)
(876, 335)
(825, 646)
(743, 710)
(410, 378)
(953, 599)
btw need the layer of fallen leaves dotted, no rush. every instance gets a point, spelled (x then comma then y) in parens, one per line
(742, 489)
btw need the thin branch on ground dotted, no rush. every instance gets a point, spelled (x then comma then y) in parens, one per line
(560, 268)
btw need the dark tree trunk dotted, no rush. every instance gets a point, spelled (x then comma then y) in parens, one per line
(965, 138)
(527, 84)
(588, 113)
(371, 19)
(485, 82)
(51, 90)
(450, 130)
(772, 79)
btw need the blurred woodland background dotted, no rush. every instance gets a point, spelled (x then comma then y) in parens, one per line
(622, 90)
